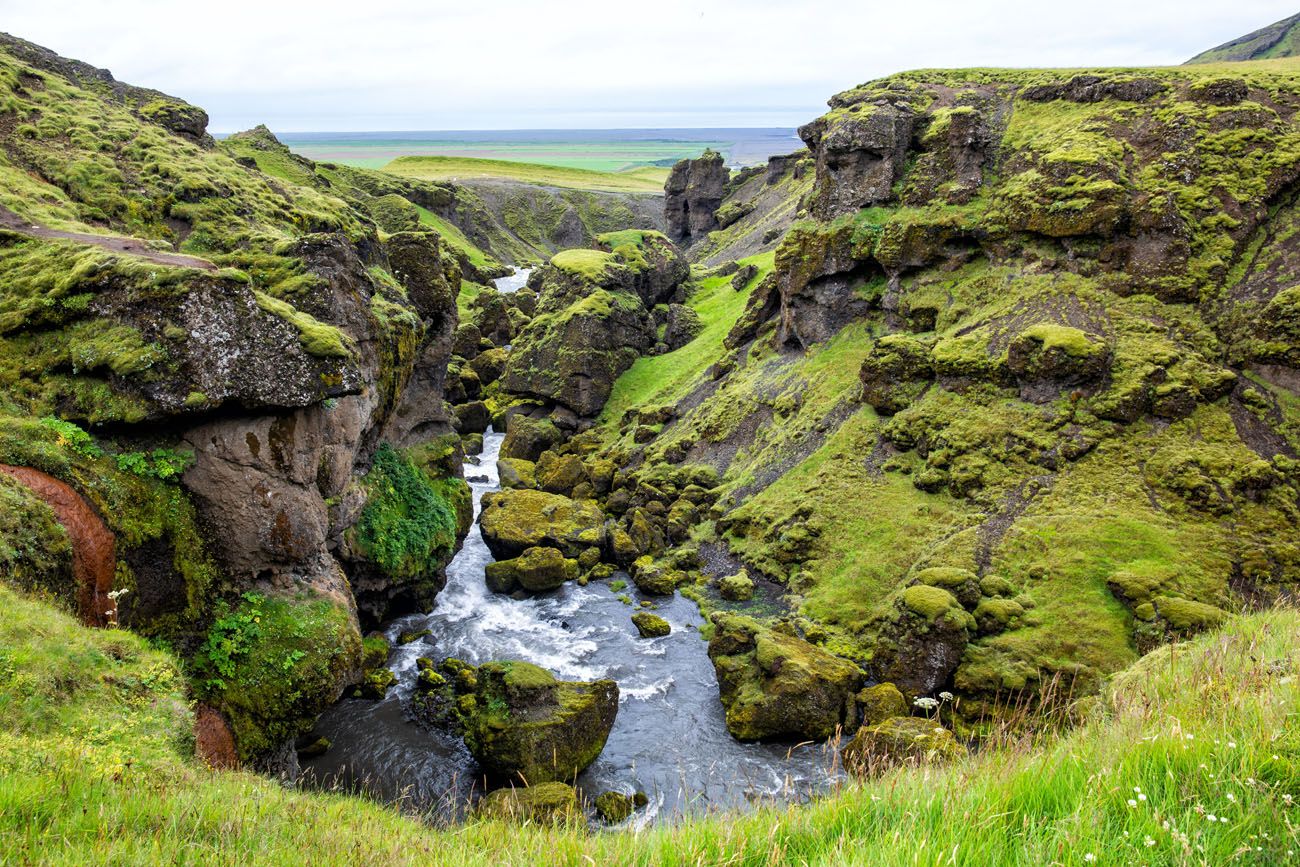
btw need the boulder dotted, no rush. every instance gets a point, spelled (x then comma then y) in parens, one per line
(543, 804)
(514, 521)
(898, 740)
(524, 725)
(614, 807)
(652, 578)
(472, 417)
(536, 570)
(736, 588)
(775, 685)
(681, 326)
(527, 438)
(650, 625)
(516, 473)
(560, 475)
(881, 702)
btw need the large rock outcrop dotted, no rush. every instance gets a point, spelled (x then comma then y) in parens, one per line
(264, 355)
(692, 196)
(775, 685)
(525, 727)
(593, 319)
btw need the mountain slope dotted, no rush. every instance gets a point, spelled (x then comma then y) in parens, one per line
(1017, 400)
(1279, 39)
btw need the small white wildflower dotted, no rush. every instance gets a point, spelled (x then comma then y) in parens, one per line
(1287, 799)
(1232, 797)
(1090, 857)
(1137, 788)
(1223, 819)
(1211, 817)
(1275, 757)
(1189, 737)
(945, 696)
(1232, 745)
(1132, 803)
(1141, 796)
(1148, 842)
(926, 703)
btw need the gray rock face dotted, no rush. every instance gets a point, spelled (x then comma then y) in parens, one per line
(693, 195)
(859, 154)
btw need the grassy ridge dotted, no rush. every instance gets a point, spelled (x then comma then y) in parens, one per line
(647, 179)
(93, 770)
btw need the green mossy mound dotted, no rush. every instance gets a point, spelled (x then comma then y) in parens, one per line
(540, 804)
(515, 520)
(523, 725)
(613, 807)
(271, 664)
(880, 703)
(536, 570)
(899, 740)
(650, 625)
(775, 685)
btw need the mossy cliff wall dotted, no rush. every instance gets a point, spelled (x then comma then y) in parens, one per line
(241, 371)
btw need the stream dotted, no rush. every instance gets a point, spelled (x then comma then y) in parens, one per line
(669, 739)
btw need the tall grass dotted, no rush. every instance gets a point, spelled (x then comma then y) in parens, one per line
(1192, 757)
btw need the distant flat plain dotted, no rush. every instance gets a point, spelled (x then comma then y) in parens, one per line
(602, 150)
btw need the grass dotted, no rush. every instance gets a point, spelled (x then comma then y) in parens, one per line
(95, 768)
(664, 379)
(433, 168)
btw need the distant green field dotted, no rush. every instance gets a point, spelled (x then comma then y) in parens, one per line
(645, 179)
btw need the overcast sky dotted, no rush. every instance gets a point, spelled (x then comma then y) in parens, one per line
(512, 64)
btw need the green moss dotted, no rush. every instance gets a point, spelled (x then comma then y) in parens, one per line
(409, 523)
(316, 337)
(929, 602)
(272, 664)
(591, 264)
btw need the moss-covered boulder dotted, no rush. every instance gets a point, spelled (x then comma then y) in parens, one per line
(526, 438)
(536, 570)
(650, 625)
(895, 372)
(613, 807)
(775, 685)
(881, 702)
(652, 578)
(736, 588)
(540, 804)
(561, 474)
(514, 521)
(898, 740)
(516, 473)
(523, 725)
(961, 583)
(920, 639)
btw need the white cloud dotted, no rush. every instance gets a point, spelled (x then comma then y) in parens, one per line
(433, 64)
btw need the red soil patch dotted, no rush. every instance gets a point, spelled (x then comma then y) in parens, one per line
(94, 548)
(213, 741)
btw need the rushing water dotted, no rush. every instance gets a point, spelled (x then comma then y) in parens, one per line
(513, 282)
(669, 738)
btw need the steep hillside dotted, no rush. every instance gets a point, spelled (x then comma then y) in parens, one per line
(220, 391)
(1015, 402)
(1280, 39)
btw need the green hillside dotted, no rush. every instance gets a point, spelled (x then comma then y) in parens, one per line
(1279, 39)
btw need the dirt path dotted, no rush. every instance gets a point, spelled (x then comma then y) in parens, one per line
(94, 547)
(116, 243)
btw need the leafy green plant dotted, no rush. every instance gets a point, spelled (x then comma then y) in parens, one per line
(72, 437)
(232, 636)
(161, 464)
(407, 522)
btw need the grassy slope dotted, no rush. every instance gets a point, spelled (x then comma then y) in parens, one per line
(665, 379)
(93, 769)
(1127, 507)
(641, 180)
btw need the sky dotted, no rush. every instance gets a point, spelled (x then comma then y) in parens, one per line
(530, 64)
